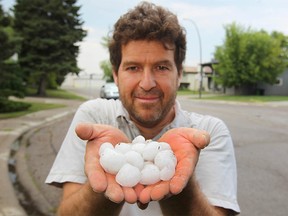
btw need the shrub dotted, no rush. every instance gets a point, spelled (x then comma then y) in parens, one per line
(12, 106)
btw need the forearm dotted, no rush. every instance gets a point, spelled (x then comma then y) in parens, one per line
(87, 202)
(191, 201)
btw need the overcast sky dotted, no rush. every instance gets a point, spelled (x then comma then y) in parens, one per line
(210, 17)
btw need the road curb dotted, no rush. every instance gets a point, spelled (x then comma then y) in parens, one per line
(9, 135)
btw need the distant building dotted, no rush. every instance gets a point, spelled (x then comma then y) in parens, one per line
(279, 88)
(83, 80)
(191, 78)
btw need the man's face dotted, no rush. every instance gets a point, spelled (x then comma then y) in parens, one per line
(148, 80)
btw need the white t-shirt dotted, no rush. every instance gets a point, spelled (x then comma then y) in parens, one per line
(215, 171)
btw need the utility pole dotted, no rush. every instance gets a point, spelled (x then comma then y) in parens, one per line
(200, 52)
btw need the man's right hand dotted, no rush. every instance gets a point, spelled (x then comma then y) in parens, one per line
(100, 181)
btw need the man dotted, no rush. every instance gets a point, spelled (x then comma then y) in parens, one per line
(147, 51)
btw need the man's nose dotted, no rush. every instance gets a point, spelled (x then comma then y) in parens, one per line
(147, 81)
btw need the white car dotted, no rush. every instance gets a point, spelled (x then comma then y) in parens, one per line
(109, 91)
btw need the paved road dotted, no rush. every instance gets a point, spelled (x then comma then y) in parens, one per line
(260, 137)
(260, 134)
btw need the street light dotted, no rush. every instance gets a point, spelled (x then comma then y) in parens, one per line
(200, 51)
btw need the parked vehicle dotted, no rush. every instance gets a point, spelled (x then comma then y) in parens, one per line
(109, 91)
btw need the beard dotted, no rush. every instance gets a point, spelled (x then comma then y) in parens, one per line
(149, 115)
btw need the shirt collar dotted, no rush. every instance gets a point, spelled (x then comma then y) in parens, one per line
(181, 119)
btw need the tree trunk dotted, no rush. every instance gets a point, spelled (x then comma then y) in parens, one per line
(41, 91)
(246, 89)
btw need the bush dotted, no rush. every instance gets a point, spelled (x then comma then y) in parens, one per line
(12, 106)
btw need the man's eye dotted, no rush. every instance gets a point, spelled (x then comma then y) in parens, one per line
(132, 68)
(162, 68)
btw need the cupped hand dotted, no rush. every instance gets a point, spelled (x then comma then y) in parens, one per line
(100, 181)
(186, 144)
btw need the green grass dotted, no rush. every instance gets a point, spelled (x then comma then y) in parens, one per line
(58, 93)
(239, 98)
(253, 99)
(187, 92)
(35, 107)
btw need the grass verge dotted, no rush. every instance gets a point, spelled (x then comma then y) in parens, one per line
(252, 99)
(57, 93)
(35, 107)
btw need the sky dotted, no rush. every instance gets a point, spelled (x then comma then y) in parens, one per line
(208, 17)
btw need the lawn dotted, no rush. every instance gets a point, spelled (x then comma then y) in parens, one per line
(43, 106)
(33, 108)
(58, 93)
(252, 98)
(240, 98)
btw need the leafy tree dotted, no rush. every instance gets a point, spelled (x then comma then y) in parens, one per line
(11, 83)
(248, 57)
(50, 31)
(105, 65)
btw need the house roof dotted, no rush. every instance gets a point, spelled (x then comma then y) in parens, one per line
(194, 69)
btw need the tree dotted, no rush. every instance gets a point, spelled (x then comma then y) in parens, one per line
(248, 57)
(50, 31)
(105, 65)
(11, 83)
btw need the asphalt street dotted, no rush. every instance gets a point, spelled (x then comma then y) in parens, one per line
(259, 133)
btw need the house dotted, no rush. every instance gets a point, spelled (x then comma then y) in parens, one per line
(279, 88)
(191, 77)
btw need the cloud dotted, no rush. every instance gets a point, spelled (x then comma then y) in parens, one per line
(91, 51)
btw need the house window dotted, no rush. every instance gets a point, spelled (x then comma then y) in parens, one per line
(279, 82)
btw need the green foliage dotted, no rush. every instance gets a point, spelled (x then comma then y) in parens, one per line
(50, 31)
(248, 57)
(11, 82)
(12, 106)
(35, 107)
(105, 65)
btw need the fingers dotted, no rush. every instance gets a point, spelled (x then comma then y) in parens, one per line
(145, 194)
(161, 190)
(199, 138)
(93, 169)
(129, 195)
(183, 172)
(103, 133)
(114, 191)
(84, 131)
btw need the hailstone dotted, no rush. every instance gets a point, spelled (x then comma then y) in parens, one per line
(123, 147)
(141, 161)
(138, 139)
(150, 150)
(135, 159)
(166, 173)
(150, 174)
(165, 158)
(128, 176)
(112, 161)
(104, 146)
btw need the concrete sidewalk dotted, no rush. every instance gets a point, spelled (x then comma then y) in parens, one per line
(11, 130)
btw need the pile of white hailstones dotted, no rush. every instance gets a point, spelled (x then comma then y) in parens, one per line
(142, 161)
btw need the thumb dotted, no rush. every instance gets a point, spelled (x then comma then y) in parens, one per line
(89, 131)
(199, 138)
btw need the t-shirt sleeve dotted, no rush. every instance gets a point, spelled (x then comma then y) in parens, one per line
(216, 170)
(69, 163)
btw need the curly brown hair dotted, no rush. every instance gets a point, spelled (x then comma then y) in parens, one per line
(148, 22)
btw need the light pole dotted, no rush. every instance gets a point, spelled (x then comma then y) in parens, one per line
(200, 52)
